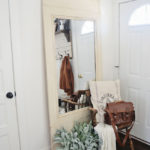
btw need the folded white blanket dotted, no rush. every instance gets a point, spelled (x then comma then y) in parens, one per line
(107, 134)
(103, 92)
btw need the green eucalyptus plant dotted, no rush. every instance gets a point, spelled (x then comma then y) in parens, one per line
(81, 137)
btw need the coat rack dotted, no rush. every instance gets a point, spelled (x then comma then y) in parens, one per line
(61, 55)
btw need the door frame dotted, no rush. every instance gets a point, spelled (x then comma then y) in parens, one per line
(116, 35)
(13, 7)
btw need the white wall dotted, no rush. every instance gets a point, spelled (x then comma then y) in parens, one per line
(107, 39)
(28, 51)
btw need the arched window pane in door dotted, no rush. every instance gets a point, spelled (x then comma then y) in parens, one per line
(87, 27)
(141, 16)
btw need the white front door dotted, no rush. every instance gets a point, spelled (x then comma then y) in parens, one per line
(134, 64)
(9, 139)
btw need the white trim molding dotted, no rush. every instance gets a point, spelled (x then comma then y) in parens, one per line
(122, 1)
(46, 148)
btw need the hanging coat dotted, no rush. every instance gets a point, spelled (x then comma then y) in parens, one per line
(66, 76)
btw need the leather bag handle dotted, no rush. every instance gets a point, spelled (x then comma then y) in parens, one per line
(122, 144)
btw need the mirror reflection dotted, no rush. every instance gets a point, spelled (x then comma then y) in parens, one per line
(75, 57)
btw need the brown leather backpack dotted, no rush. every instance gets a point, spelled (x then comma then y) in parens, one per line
(120, 115)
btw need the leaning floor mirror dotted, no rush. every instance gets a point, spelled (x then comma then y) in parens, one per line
(75, 60)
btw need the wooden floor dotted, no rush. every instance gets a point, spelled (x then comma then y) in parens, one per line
(137, 146)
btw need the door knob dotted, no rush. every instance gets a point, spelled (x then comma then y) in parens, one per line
(9, 95)
(80, 76)
(116, 66)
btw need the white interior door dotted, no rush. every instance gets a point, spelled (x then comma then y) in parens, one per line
(84, 55)
(86, 59)
(9, 139)
(134, 64)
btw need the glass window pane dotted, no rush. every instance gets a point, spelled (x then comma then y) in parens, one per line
(141, 16)
(88, 27)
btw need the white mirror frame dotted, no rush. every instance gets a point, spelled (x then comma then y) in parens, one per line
(67, 120)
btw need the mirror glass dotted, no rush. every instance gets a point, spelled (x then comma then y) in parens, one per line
(75, 57)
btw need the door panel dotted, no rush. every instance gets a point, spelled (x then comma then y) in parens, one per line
(86, 65)
(9, 139)
(85, 52)
(134, 67)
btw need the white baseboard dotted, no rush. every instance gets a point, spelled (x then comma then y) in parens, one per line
(46, 148)
(138, 139)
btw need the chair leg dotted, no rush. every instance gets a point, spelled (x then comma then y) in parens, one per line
(131, 143)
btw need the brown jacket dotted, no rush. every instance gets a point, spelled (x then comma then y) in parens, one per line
(66, 76)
